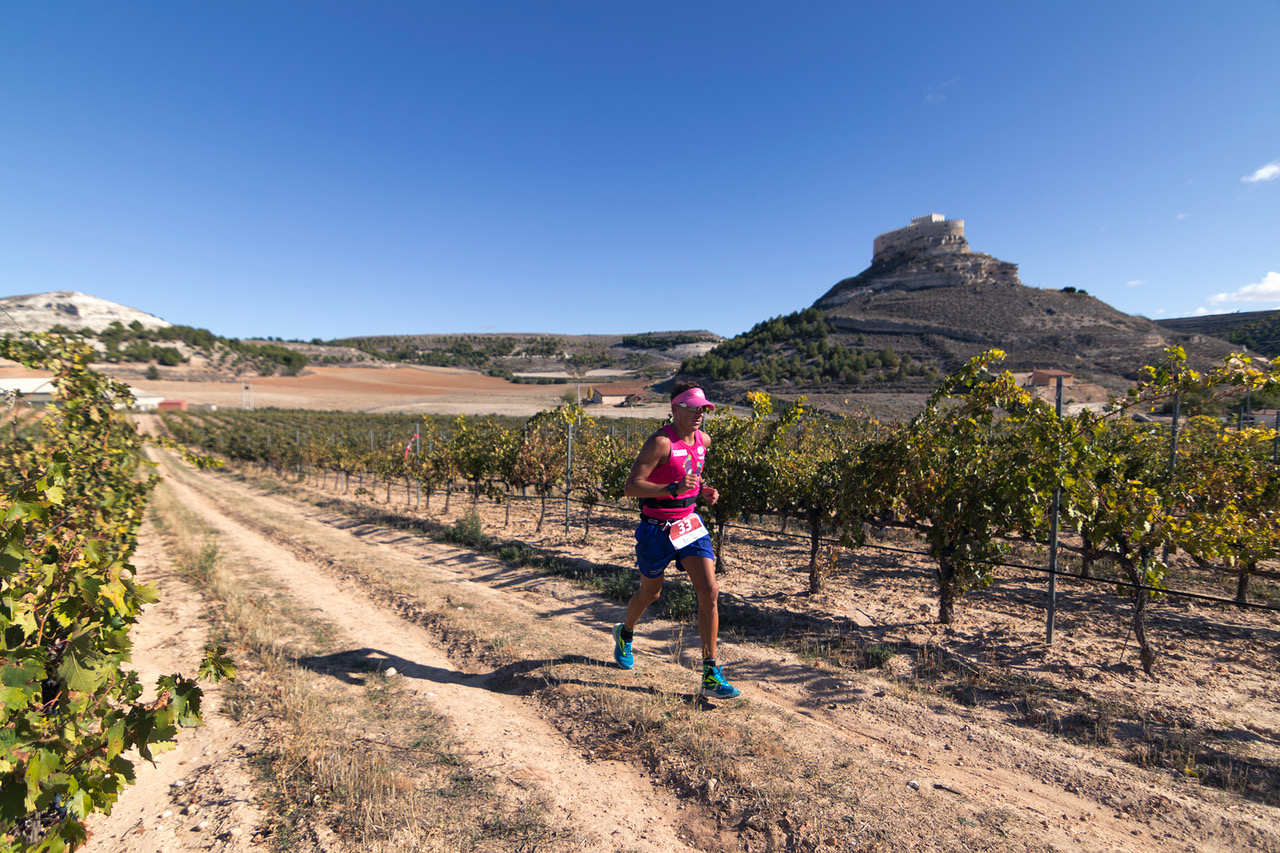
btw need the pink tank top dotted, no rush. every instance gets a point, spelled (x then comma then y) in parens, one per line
(683, 457)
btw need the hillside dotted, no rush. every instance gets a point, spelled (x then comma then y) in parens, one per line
(135, 345)
(1257, 330)
(138, 344)
(1037, 328)
(651, 354)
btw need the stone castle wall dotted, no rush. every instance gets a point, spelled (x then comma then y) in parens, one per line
(930, 235)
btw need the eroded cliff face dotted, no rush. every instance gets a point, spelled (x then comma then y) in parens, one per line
(922, 271)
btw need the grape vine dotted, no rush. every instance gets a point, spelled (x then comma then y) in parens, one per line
(76, 488)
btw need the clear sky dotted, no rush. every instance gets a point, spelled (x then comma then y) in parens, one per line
(327, 169)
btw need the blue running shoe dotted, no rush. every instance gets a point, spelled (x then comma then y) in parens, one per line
(622, 649)
(714, 686)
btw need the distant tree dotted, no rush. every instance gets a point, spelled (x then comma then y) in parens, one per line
(168, 356)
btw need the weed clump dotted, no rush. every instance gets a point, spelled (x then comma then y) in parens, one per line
(467, 530)
(619, 587)
(679, 602)
(877, 656)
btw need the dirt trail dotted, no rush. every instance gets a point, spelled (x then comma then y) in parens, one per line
(609, 803)
(200, 795)
(977, 783)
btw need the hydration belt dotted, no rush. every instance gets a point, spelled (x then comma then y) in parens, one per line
(668, 503)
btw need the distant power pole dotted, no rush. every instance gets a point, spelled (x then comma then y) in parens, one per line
(246, 396)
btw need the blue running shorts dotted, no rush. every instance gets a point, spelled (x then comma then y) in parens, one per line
(654, 549)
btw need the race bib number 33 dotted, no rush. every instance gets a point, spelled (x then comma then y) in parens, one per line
(687, 530)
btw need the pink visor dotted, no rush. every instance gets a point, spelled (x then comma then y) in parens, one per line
(693, 398)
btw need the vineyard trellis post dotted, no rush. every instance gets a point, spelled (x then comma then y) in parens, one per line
(568, 475)
(1173, 437)
(1053, 538)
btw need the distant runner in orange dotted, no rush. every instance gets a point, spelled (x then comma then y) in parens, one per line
(667, 477)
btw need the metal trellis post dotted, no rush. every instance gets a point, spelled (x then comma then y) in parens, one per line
(568, 476)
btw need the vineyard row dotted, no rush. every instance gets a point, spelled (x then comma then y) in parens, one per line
(980, 470)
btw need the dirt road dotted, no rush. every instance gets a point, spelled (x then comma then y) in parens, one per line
(859, 762)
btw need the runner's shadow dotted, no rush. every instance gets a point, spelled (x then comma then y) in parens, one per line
(353, 665)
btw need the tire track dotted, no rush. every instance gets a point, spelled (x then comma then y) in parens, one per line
(612, 805)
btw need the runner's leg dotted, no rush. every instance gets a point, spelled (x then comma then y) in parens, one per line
(702, 574)
(650, 589)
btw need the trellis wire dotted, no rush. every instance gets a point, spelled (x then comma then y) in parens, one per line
(1051, 570)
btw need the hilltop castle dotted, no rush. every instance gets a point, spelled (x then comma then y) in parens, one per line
(926, 235)
(930, 252)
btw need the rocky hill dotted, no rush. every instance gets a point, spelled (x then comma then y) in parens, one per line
(930, 252)
(927, 304)
(927, 295)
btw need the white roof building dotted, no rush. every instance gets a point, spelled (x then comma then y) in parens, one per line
(41, 390)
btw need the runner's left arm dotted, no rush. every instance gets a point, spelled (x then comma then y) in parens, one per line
(708, 494)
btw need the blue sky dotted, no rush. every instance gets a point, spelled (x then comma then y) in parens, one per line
(328, 169)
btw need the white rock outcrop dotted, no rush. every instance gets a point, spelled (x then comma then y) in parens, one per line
(40, 312)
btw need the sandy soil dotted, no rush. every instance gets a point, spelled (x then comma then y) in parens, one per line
(366, 389)
(417, 390)
(931, 773)
(198, 796)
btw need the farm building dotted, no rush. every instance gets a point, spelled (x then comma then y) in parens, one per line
(40, 391)
(1050, 378)
(616, 395)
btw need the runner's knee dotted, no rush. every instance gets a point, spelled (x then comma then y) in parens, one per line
(649, 592)
(707, 587)
(712, 591)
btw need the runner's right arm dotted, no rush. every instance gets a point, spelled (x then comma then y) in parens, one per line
(654, 452)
